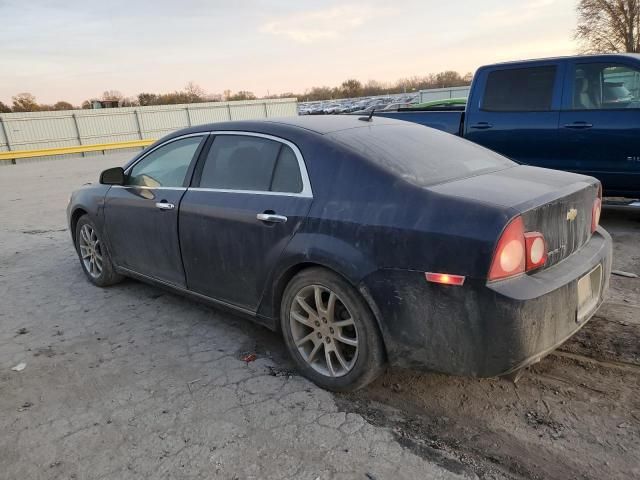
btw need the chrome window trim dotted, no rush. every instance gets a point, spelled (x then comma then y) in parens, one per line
(144, 187)
(171, 140)
(306, 192)
(302, 167)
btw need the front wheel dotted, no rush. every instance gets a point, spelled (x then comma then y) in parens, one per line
(93, 254)
(330, 331)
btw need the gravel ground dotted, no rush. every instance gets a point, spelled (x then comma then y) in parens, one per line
(135, 382)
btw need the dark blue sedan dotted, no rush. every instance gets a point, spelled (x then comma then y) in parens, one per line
(362, 241)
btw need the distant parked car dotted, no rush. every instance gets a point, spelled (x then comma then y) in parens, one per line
(361, 241)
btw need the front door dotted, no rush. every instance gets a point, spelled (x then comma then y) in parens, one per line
(251, 193)
(141, 217)
(600, 123)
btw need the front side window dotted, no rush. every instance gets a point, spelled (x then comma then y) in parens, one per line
(166, 166)
(600, 86)
(520, 90)
(247, 163)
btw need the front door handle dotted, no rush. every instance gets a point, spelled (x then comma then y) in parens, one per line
(578, 125)
(271, 218)
(482, 125)
(165, 206)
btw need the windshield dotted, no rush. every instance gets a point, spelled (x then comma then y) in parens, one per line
(420, 155)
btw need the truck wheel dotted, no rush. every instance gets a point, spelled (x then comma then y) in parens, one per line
(330, 331)
(93, 254)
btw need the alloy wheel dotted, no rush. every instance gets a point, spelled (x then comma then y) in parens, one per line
(324, 331)
(90, 250)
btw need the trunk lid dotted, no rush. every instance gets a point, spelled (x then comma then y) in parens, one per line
(555, 203)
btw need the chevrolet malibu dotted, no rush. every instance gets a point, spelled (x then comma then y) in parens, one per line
(363, 241)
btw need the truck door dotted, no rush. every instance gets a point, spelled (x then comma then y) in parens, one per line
(600, 122)
(514, 110)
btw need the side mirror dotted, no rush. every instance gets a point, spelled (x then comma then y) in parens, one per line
(112, 176)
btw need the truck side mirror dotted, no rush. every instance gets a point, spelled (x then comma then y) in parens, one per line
(112, 176)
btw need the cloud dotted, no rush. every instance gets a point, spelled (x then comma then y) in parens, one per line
(324, 24)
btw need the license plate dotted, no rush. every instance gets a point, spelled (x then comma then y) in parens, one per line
(589, 292)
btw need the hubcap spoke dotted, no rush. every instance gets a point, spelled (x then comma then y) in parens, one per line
(306, 307)
(327, 356)
(344, 323)
(331, 305)
(303, 320)
(318, 297)
(306, 339)
(313, 353)
(341, 359)
(347, 341)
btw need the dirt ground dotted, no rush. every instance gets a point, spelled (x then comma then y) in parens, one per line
(136, 382)
(576, 414)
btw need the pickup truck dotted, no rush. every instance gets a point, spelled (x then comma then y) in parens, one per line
(580, 114)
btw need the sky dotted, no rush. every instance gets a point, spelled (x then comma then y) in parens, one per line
(74, 50)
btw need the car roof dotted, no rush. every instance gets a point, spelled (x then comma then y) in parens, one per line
(320, 124)
(596, 56)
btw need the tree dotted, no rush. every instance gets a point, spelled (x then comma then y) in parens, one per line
(608, 26)
(62, 106)
(112, 96)
(145, 99)
(25, 102)
(195, 93)
(351, 88)
(242, 95)
(4, 108)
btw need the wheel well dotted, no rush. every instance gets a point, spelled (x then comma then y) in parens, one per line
(285, 278)
(75, 216)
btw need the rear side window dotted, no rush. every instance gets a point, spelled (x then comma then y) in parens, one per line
(421, 156)
(520, 90)
(247, 163)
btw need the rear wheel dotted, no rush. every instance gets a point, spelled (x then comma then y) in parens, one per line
(93, 254)
(330, 331)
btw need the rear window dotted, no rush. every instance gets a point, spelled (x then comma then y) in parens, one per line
(420, 155)
(520, 90)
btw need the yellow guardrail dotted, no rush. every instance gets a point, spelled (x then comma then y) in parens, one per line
(45, 152)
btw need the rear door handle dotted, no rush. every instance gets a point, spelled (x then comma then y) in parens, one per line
(165, 206)
(482, 126)
(271, 218)
(578, 125)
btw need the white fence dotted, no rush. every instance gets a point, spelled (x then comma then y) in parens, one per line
(443, 93)
(38, 130)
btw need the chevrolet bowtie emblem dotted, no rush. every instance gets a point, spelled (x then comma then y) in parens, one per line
(572, 214)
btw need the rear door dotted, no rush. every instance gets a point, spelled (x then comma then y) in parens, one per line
(514, 110)
(600, 122)
(141, 217)
(249, 195)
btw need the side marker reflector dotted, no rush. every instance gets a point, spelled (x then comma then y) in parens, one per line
(444, 278)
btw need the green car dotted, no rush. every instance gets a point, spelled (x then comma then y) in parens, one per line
(444, 102)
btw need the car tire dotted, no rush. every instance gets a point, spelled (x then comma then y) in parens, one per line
(93, 254)
(339, 347)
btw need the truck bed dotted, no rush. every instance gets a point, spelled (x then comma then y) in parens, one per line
(449, 121)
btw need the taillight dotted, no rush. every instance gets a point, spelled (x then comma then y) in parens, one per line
(509, 257)
(596, 210)
(536, 250)
(517, 251)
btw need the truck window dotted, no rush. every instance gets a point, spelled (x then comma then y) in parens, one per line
(600, 86)
(520, 89)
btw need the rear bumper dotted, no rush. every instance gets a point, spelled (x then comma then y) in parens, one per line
(483, 329)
